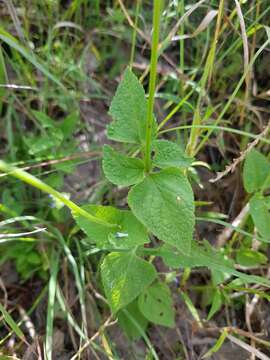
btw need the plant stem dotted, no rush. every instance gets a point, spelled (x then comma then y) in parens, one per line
(152, 82)
(37, 183)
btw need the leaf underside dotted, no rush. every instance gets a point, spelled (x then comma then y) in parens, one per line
(156, 304)
(124, 277)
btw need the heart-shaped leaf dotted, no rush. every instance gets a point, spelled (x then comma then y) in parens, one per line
(124, 277)
(164, 203)
(127, 233)
(128, 110)
(169, 154)
(120, 169)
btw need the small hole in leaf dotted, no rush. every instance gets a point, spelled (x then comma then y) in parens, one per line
(153, 153)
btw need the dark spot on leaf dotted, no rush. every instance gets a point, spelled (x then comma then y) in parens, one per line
(161, 314)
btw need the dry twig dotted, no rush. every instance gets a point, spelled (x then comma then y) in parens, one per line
(232, 167)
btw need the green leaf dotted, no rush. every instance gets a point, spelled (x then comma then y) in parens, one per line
(128, 110)
(48, 123)
(34, 258)
(68, 125)
(156, 304)
(247, 257)
(128, 326)
(120, 169)
(124, 277)
(194, 312)
(218, 277)
(217, 345)
(259, 210)
(3, 78)
(169, 154)
(11, 323)
(267, 201)
(163, 202)
(216, 304)
(208, 257)
(51, 136)
(127, 233)
(256, 170)
(37, 145)
(44, 119)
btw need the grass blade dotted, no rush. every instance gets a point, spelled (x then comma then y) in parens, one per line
(51, 304)
(11, 323)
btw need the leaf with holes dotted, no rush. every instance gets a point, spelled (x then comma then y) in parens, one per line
(124, 277)
(127, 233)
(128, 110)
(256, 170)
(156, 304)
(164, 203)
(169, 154)
(120, 169)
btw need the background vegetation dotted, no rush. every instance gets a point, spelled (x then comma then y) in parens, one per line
(60, 64)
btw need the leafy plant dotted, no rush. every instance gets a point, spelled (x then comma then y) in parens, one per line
(154, 228)
(161, 204)
(161, 199)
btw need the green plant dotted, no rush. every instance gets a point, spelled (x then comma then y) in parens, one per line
(161, 203)
(256, 175)
(127, 246)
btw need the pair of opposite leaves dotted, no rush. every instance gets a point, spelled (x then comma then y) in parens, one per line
(162, 201)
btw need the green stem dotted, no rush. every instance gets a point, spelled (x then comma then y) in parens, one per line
(152, 83)
(37, 183)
